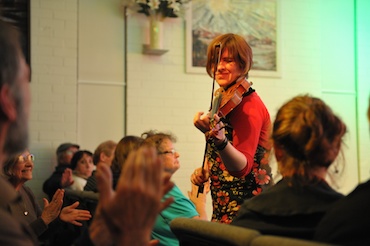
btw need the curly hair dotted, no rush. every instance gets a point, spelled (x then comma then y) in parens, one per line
(154, 138)
(309, 133)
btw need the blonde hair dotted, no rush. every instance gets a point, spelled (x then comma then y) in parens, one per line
(106, 148)
(155, 139)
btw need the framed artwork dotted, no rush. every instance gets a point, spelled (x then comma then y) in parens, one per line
(17, 12)
(255, 20)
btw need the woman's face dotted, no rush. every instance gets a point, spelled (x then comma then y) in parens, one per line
(228, 70)
(85, 166)
(169, 156)
(22, 170)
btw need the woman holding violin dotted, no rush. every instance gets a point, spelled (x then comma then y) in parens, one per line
(237, 149)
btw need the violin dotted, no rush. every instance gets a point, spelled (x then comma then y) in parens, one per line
(232, 97)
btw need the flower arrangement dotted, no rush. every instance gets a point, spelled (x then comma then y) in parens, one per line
(158, 8)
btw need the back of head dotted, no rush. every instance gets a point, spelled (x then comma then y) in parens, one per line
(126, 145)
(105, 147)
(309, 133)
(10, 52)
(237, 47)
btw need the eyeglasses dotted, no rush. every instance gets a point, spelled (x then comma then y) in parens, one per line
(24, 158)
(172, 151)
(70, 152)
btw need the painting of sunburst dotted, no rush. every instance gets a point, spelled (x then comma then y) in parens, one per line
(255, 20)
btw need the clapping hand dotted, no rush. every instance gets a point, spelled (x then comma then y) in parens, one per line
(51, 210)
(126, 216)
(67, 179)
(71, 214)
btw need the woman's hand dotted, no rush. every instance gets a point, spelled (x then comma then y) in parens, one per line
(72, 215)
(217, 132)
(199, 176)
(67, 179)
(199, 199)
(51, 210)
(201, 121)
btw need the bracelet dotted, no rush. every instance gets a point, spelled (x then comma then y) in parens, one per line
(222, 146)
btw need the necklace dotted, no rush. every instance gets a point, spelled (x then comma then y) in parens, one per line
(22, 203)
(24, 208)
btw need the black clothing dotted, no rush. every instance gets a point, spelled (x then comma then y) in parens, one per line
(347, 222)
(288, 209)
(51, 185)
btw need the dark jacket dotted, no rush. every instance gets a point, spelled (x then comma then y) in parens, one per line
(288, 209)
(347, 223)
(51, 185)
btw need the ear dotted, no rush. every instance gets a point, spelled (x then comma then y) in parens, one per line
(7, 103)
(103, 157)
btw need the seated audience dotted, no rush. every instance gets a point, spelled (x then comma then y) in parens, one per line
(182, 206)
(142, 183)
(307, 138)
(347, 222)
(82, 167)
(104, 153)
(18, 170)
(62, 176)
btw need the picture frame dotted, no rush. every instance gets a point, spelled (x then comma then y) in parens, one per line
(257, 23)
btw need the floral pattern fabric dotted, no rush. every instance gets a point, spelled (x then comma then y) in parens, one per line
(229, 192)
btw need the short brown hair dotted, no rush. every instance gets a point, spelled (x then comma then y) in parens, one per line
(105, 147)
(238, 49)
(124, 147)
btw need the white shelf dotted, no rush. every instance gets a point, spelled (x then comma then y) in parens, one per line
(156, 52)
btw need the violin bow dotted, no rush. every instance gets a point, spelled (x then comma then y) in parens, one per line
(215, 103)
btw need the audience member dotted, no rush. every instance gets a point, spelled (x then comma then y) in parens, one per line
(307, 138)
(140, 191)
(238, 148)
(347, 222)
(142, 183)
(18, 170)
(15, 99)
(62, 175)
(104, 153)
(124, 147)
(82, 166)
(182, 206)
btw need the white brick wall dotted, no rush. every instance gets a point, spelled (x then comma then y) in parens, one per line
(54, 82)
(161, 95)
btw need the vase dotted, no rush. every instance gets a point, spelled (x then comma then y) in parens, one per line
(155, 33)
